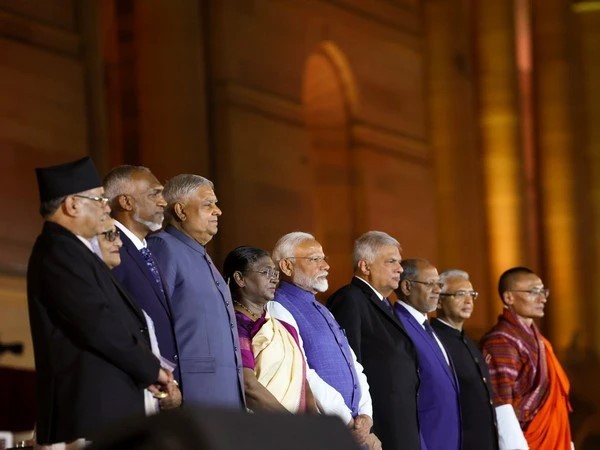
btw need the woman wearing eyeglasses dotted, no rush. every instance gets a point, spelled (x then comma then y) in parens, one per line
(274, 365)
(110, 244)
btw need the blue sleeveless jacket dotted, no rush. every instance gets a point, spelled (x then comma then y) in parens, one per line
(325, 344)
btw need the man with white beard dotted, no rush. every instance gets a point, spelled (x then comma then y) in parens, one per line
(137, 205)
(335, 377)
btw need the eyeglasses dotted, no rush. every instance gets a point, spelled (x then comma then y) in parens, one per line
(429, 284)
(461, 294)
(102, 200)
(270, 273)
(111, 235)
(535, 292)
(312, 259)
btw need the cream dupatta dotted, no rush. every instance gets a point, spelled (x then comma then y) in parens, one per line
(279, 364)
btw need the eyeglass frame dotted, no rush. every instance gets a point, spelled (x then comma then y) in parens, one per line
(312, 259)
(429, 284)
(536, 291)
(461, 293)
(111, 235)
(101, 199)
(271, 274)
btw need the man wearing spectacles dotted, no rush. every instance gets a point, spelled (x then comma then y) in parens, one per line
(92, 349)
(454, 307)
(380, 341)
(335, 377)
(438, 402)
(137, 205)
(210, 362)
(525, 373)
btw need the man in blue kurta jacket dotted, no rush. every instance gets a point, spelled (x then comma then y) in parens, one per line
(205, 327)
(335, 377)
(438, 405)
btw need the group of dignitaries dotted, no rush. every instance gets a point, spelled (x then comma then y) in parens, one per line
(129, 316)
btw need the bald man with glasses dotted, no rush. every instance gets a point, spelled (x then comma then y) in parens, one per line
(455, 306)
(525, 373)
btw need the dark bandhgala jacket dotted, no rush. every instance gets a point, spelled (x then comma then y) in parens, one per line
(389, 359)
(91, 344)
(478, 415)
(133, 273)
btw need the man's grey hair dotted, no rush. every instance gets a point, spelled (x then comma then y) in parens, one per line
(181, 187)
(49, 207)
(116, 182)
(368, 245)
(286, 245)
(454, 273)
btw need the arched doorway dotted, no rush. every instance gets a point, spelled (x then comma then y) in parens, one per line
(329, 98)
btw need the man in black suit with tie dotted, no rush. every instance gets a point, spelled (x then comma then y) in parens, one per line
(91, 345)
(380, 341)
(137, 205)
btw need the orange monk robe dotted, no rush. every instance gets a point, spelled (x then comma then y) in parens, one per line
(549, 429)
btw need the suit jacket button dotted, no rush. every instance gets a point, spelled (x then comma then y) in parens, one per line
(217, 283)
(175, 356)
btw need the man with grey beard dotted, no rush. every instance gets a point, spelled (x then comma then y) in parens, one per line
(335, 377)
(137, 205)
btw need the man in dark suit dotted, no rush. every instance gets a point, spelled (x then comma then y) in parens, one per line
(137, 205)
(438, 405)
(380, 341)
(92, 352)
(210, 363)
(477, 411)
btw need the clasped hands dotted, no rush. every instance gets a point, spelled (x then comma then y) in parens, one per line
(166, 390)
(360, 427)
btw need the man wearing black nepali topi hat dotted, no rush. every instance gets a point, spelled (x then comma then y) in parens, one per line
(91, 345)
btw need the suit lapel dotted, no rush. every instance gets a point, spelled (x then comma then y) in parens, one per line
(50, 227)
(378, 304)
(138, 259)
(430, 342)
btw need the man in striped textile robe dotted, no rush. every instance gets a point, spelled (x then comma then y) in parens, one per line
(524, 371)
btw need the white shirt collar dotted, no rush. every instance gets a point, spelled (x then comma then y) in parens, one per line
(418, 315)
(374, 290)
(86, 242)
(136, 241)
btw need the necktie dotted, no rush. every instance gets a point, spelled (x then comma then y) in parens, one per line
(147, 254)
(388, 305)
(429, 330)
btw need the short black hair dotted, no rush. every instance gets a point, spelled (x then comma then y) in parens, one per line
(507, 277)
(49, 207)
(241, 259)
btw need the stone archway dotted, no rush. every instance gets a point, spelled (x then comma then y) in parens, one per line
(329, 98)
